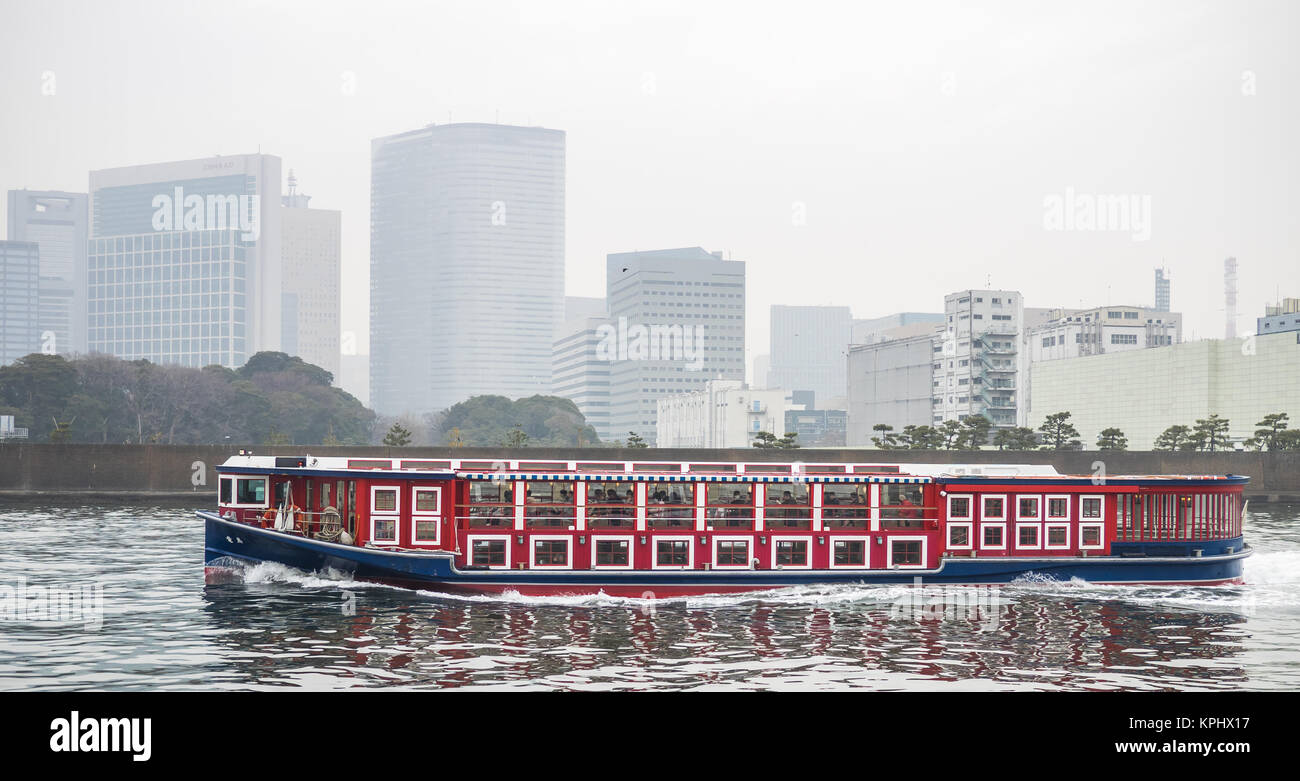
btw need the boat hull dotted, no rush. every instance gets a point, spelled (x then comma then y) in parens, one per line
(226, 542)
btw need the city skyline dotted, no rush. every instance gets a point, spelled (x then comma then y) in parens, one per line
(1004, 138)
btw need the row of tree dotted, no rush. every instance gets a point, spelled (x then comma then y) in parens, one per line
(1211, 434)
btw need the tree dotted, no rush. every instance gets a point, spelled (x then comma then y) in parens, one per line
(1059, 433)
(486, 421)
(887, 440)
(1016, 438)
(1112, 439)
(454, 438)
(1270, 430)
(634, 440)
(397, 436)
(767, 440)
(975, 432)
(515, 437)
(1210, 433)
(921, 437)
(1173, 438)
(951, 434)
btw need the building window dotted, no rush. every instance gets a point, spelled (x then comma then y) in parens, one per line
(1090, 536)
(959, 506)
(1058, 535)
(1027, 535)
(730, 552)
(1028, 507)
(995, 508)
(994, 535)
(673, 553)
(1058, 507)
(959, 536)
(906, 552)
(613, 552)
(1090, 507)
(486, 552)
(849, 553)
(791, 553)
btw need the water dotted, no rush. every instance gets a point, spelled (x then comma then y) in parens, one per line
(163, 628)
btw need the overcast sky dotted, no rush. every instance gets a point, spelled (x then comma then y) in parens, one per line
(875, 155)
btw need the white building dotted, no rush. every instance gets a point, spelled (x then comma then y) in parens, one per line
(978, 360)
(466, 263)
(809, 351)
(891, 383)
(311, 256)
(1144, 392)
(183, 263)
(1106, 329)
(677, 320)
(722, 414)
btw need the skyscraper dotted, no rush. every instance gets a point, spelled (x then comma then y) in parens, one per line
(1162, 290)
(20, 263)
(810, 351)
(56, 221)
(310, 255)
(466, 263)
(677, 320)
(184, 260)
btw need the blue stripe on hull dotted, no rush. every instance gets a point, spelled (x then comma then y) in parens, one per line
(432, 570)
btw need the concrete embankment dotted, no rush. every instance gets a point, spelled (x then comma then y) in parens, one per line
(180, 471)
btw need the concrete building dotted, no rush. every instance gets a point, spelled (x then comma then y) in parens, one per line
(58, 223)
(1143, 392)
(891, 383)
(580, 373)
(722, 413)
(1285, 316)
(578, 307)
(809, 350)
(183, 264)
(677, 320)
(979, 363)
(1105, 329)
(20, 266)
(466, 263)
(817, 427)
(311, 256)
(896, 326)
(354, 376)
(762, 370)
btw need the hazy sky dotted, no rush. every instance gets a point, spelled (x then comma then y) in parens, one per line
(875, 155)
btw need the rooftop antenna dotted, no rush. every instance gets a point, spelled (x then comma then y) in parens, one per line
(293, 183)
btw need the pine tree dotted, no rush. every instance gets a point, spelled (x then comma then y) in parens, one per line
(1112, 439)
(397, 436)
(1058, 433)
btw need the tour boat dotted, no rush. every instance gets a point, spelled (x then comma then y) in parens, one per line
(658, 529)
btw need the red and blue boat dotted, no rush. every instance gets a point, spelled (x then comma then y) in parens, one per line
(655, 529)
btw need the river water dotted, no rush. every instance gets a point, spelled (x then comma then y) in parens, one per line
(160, 627)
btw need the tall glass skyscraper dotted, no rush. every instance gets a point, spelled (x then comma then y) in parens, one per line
(466, 263)
(20, 263)
(184, 260)
(56, 221)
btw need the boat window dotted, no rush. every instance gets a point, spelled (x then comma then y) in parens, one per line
(850, 553)
(844, 506)
(792, 553)
(672, 553)
(1058, 536)
(1058, 507)
(1028, 507)
(1090, 535)
(788, 506)
(1090, 507)
(995, 507)
(731, 553)
(384, 500)
(227, 490)
(491, 504)
(670, 505)
(959, 507)
(612, 553)
(250, 490)
(730, 505)
(488, 553)
(905, 553)
(993, 536)
(1027, 536)
(549, 504)
(611, 505)
(959, 535)
(550, 553)
(426, 500)
(901, 506)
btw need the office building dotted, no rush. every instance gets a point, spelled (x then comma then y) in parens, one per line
(890, 383)
(677, 320)
(57, 222)
(720, 414)
(1162, 290)
(809, 350)
(311, 257)
(466, 263)
(183, 263)
(580, 373)
(978, 360)
(1284, 316)
(20, 265)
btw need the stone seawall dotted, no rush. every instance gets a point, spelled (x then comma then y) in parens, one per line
(189, 470)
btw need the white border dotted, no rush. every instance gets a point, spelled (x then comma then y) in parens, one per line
(1047, 530)
(889, 551)
(970, 536)
(970, 504)
(266, 492)
(775, 538)
(1000, 524)
(1100, 498)
(425, 515)
(469, 548)
(1042, 508)
(749, 551)
(690, 551)
(567, 539)
(1101, 535)
(1003, 517)
(866, 551)
(394, 515)
(1038, 536)
(630, 539)
(1047, 503)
